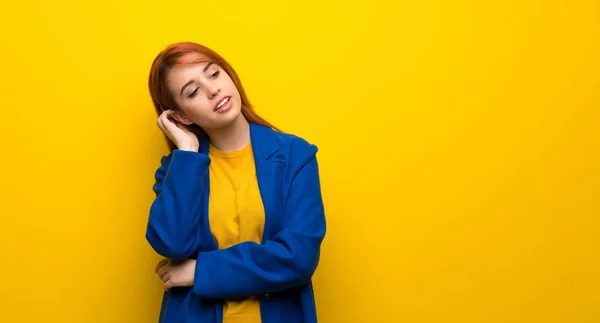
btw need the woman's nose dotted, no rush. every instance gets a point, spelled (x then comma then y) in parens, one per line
(214, 92)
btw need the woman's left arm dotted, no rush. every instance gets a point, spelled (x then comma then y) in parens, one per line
(289, 260)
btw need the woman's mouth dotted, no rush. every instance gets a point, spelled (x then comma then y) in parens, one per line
(223, 105)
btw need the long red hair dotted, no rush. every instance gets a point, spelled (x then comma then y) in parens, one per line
(187, 53)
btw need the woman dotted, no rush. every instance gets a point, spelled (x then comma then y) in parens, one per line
(238, 213)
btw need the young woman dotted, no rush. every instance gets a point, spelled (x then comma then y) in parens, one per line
(238, 213)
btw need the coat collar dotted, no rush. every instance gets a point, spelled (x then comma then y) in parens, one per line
(263, 139)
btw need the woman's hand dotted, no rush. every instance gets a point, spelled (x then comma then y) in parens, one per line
(181, 136)
(179, 274)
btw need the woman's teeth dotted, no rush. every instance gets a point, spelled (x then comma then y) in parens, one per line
(222, 103)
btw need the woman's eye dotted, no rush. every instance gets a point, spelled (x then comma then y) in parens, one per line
(215, 74)
(193, 94)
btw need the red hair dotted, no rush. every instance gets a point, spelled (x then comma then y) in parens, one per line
(187, 53)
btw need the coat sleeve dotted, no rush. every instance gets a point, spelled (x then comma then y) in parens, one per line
(173, 223)
(286, 261)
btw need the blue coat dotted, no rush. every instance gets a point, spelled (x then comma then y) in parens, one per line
(279, 270)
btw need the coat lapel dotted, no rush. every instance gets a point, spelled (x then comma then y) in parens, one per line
(207, 241)
(269, 173)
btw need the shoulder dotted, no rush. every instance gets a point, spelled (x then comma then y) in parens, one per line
(182, 159)
(296, 144)
(293, 147)
(297, 154)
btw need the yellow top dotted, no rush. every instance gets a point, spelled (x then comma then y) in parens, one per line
(236, 214)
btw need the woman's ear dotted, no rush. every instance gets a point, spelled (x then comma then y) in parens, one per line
(177, 115)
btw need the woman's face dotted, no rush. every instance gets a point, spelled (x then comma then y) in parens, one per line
(205, 94)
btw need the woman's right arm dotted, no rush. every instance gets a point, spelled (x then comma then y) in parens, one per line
(174, 221)
(173, 224)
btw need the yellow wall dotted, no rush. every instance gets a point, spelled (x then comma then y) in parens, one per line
(459, 151)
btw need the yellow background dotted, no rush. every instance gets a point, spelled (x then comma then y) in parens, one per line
(458, 149)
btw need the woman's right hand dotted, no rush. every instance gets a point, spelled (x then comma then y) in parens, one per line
(181, 136)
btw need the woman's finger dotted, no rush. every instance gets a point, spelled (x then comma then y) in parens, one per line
(163, 118)
(169, 124)
(161, 263)
(159, 121)
(168, 285)
(162, 271)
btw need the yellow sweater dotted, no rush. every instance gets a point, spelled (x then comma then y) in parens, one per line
(236, 214)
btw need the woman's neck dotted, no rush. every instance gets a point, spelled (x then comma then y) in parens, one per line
(232, 137)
